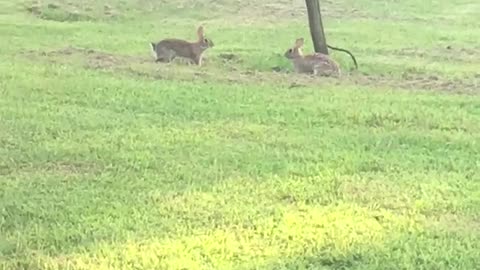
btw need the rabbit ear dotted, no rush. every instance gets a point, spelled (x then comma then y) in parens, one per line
(200, 32)
(299, 42)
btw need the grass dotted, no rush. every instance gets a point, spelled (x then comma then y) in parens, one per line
(110, 161)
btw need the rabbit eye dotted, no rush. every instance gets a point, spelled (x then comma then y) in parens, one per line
(206, 40)
(290, 50)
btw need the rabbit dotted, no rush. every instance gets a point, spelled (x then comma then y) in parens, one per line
(167, 49)
(316, 64)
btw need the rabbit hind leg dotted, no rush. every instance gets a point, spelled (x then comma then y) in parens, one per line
(165, 55)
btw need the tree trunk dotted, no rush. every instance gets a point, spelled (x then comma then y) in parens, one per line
(316, 26)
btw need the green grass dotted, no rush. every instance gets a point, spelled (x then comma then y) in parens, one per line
(110, 161)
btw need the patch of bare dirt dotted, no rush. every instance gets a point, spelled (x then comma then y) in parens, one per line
(122, 65)
(253, 10)
(419, 82)
(70, 11)
(408, 81)
(449, 49)
(447, 53)
(89, 58)
(228, 65)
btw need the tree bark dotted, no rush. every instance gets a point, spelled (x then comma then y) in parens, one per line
(316, 26)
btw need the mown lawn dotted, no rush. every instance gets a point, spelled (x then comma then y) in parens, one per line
(111, 161)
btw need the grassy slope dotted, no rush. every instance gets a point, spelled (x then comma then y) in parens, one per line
(105, 166)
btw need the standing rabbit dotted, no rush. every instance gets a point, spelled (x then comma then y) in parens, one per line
(167, 49)
(317, 63)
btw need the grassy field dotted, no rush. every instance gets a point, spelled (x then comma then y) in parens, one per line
(111, 161)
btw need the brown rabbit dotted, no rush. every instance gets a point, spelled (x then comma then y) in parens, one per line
(317, 63)
(167, 49)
